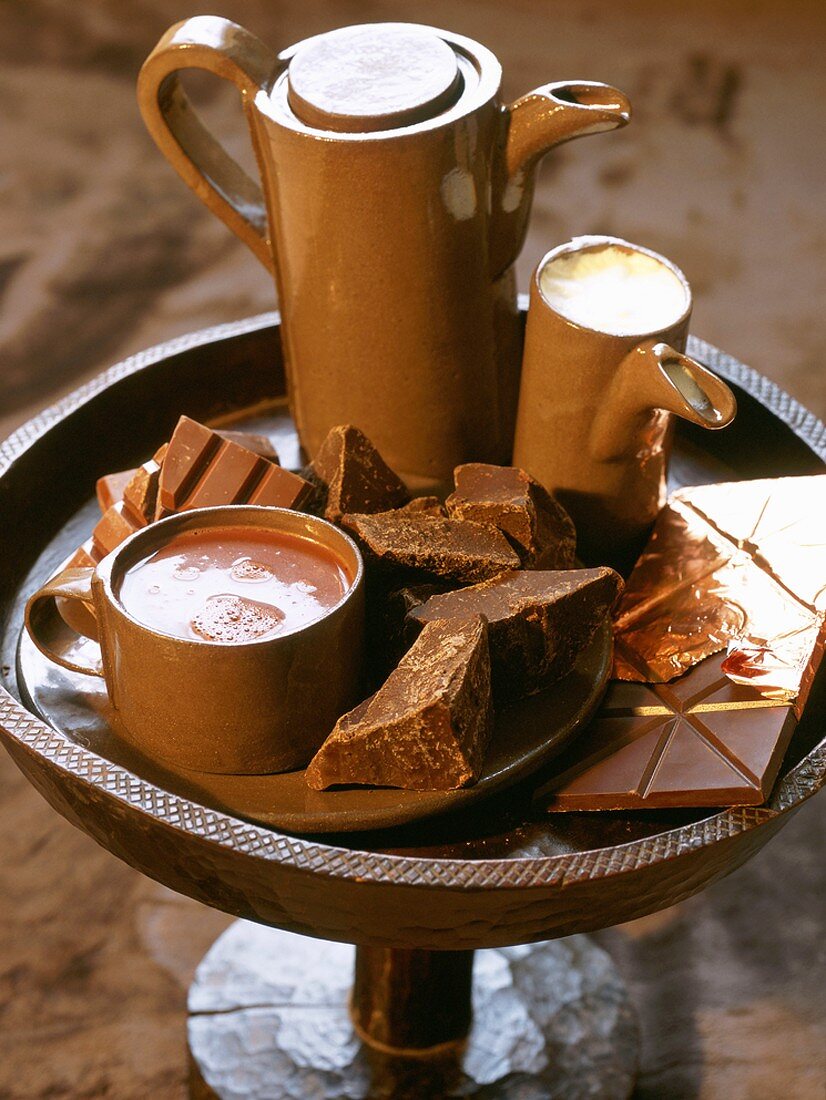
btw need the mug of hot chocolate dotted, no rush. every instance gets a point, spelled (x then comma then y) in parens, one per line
(603, 375)
(230, 638)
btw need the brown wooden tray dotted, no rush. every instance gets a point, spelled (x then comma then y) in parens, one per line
(486, 876)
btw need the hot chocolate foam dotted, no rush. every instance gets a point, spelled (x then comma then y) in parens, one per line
(233, 585)
(613, 288)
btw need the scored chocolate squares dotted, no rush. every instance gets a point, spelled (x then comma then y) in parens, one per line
(539, 621)
(202, 469)
(699, 741)
(453, 549)
(510, 499)
(198, 468)
(428, 726)
(351, 476)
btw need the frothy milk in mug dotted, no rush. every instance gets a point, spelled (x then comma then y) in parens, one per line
(613, 289)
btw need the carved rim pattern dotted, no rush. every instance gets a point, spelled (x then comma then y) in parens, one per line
(137, 796)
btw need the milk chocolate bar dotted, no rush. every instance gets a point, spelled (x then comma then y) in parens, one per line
(737, 565)
(535, 522)
(201, 470)
(699, 741)
(259, 444)
(428, 726)
(454, 549)
(109, 488)
(539, 621)
(351, 476)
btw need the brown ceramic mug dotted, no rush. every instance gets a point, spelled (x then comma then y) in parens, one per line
(253, 707)
(603, 375)
(396, 189)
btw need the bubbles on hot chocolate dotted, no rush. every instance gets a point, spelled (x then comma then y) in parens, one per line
(234, 619)
(247, 569)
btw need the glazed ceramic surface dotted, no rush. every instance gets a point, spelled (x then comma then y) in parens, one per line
(497, 874)
(596, 409)
(395, 194)
(244, 708)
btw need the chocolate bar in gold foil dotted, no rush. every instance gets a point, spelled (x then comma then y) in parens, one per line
(699, 741)
(201, 470)
(739, 565)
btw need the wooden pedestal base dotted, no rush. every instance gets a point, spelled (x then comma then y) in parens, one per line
(270, 1018)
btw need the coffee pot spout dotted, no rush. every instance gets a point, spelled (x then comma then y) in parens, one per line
(535, 124)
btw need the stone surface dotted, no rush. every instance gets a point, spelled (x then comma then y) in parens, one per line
(103, 252)
(269, 1019)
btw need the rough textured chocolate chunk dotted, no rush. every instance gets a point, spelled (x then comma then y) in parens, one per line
(352, 476)
(454, 549)
(539, 621)
(510, 499)
(428, 506)
(201, 469)
(109, 488)
(429, 725)
(699, 741)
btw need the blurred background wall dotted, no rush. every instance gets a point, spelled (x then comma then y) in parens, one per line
(104, 251)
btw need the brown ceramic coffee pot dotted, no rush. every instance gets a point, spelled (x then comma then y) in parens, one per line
(395, 199)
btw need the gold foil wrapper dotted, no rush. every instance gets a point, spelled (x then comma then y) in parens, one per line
(739, 566)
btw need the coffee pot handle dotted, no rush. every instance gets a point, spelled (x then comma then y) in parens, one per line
(62, 610)
(653, 375)
(227, 50)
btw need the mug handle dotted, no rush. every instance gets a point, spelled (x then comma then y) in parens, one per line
(227, 50)
(653, 375)
(47, 625)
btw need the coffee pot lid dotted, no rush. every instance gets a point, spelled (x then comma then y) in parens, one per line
(376, 76)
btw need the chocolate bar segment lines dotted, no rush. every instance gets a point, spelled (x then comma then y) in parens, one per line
(702, 741)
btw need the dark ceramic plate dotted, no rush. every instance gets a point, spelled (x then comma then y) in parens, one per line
(526, 735)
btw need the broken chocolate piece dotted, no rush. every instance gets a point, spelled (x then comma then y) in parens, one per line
(258, 444)
(201, 469)
(353, 477)
(737, 565)
(86, 556)
(699, 741)
(428, 726)
(538, 621)
(428, 506)
(114, 526)
(510, 499)
(109, 488)
(454, 549)
(140, 495)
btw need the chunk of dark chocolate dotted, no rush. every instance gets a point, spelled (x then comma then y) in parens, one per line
(539, 621)
(352, 476)
(428, 506)
(201, 469)
(698, 741)
(454, 549)
(510, 499)
(428, 726)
